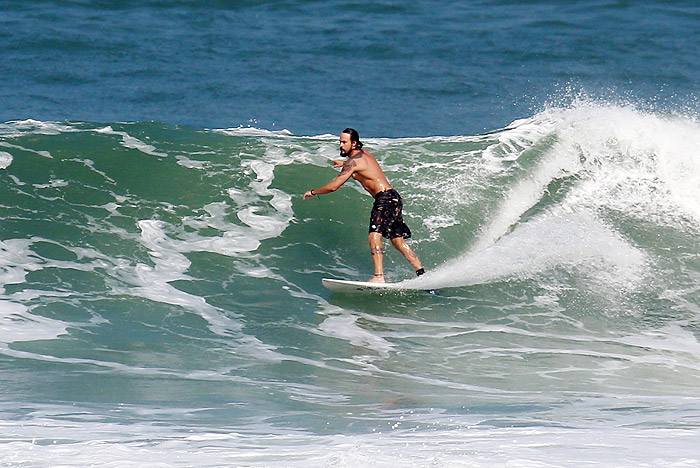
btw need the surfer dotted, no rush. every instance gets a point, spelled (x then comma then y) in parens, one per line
(386, 218)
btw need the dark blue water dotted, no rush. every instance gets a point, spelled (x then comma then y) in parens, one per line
(387, 68)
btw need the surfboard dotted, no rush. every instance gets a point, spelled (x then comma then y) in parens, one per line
(349, 286)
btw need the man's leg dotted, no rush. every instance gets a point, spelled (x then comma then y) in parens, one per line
(377, 249)
(407, 251)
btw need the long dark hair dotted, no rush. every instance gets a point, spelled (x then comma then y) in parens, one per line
(354, 136)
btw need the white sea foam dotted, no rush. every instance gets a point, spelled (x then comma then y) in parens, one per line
(553, 240)
(52, 184)
(5, 160)
(171, 265)
(131, 142)
(16, 259)
(634, 162)
(22, 127)
(344, 327)
(617, 159)
(168, 244)
(190, 163)
(425, 439)
(253, 131)
(43, 154)
(18, 324)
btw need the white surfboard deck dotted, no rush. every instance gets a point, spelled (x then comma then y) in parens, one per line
(348, 286)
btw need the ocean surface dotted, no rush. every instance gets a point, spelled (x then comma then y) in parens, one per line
(160, 275)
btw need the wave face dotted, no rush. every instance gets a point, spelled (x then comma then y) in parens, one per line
(160, 296)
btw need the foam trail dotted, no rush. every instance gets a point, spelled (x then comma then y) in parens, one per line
(18, 324)
(523, 196)
(170, 265)
(43, 154)
(131, 142)
(345, 327)
(537, 246)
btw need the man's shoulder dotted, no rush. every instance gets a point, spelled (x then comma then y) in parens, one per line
(363, 156)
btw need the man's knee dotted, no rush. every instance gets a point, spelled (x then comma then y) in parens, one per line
(398, 242)
(375, 243)
(376, 249)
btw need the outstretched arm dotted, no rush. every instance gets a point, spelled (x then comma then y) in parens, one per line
(348, 170)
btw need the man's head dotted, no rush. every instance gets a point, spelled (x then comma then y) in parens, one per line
(349, 141)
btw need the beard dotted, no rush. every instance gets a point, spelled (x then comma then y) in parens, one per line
(344, 153)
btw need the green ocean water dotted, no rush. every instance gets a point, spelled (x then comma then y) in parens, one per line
(161, 296)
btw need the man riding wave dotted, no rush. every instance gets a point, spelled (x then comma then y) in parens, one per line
(386, 219)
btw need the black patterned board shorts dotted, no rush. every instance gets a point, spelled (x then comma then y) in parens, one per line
(386, 217)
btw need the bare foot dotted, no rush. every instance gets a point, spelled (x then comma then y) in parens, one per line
(377, 279)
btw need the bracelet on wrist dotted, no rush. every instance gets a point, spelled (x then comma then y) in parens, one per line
(312, 193)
